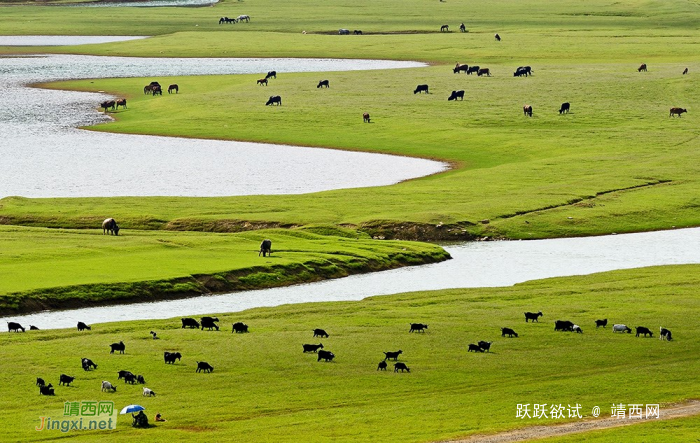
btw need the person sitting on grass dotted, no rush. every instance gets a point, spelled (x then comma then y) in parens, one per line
(140, 420)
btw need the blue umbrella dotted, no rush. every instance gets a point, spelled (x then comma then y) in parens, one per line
(132, 408)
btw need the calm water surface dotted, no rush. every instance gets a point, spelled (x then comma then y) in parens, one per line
(479, 264)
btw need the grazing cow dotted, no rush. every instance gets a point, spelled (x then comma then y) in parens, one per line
(66, 380)
(485, 345)
(12, 326)
(275, 99)
(357, 32)
(33, 328)
(170, 357)
(140, 380)
(497, 37)
(82, 326)
(445, 28)
(472, 69)
(462, 28)
(129, 378)
(87, 364)
(154, 335)
(456, 95)
(239, 328)
(643, 330)
(526, 69)
(190, 323)
(272, 74)
(677, 111)
(204, 366)
(46, 390)
(643, 67)
(320, 333)
(534, 316)
(107, 386)
(343, 32)
(474, 348)
(563, 325)
(664, 334)
(325, 355)
(365, 117)
(509, 332)
(565, 107)
(420, 327)
(110, 225)
(40, 381)
(460, 68)
(123, 374)
(121, 347)
(421, 88)
(312, 348)
(685, 71)
(599, 323)
(243, 17)
(401, 367)
(210, 323)
(265, 247)
(382, 366)
(110, 104)
(148, 393)
(322, 83)
(262, 81)
(121, 102)
(527, 110)
(621, 328)
(577, 328)
(172, 88)
(392, 355)
(484, 71)
(520, 72)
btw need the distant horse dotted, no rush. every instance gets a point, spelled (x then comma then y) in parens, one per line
(244, 17)
(262, 81)
(322, 83)
(445, 28)
(275, 99)
(110, 225)
(172, 88)
(365, 117)
(272, 74)
(121, 102)
(111, 104)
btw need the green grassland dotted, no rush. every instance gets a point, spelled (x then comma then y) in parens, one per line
(42, 268)
(264, 388)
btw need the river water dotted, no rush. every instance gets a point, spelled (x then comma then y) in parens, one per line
(476, 264)
(44, 154)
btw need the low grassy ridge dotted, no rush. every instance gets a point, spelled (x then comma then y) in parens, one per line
(43, 268)
(264, 388)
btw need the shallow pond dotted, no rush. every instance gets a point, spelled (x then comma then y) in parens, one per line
(44, 155)
(479, 264)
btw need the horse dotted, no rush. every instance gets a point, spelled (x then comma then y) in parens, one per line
(243, 17)
(275, 99)
(445, 28)
(156, 89)
(322, 83)
(262, 81)
(365, 117)
(110, 225)
(172, 88)
(121, 102)
(271, 74)
(111, 104)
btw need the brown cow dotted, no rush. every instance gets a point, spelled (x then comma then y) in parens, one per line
(643, 67)
(527, 110)
(365, 117)
(262, 81)
(677, 111)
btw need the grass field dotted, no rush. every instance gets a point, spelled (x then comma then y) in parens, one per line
(264, 388)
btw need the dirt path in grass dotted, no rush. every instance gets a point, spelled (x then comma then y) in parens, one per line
(685, 409)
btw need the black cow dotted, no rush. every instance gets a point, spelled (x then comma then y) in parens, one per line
(204, 366)
(664, 334)
(484, 71)
(110, 226)
(392, 355)
(460, 68)
(12, 326)
(87, 364)
(121, 347)
(420, 327)
(472, 69)
(275, 99)
(110, 104)
(33, 328)
(509, 332)
(82, 326)
(170, 357)
(65, 379)
(209, 323)
(456, 95)
(474, 348)
(320, 333)
(527, 110)
(421, 88)
(563, 325)
(401, 366)
(325, 355)
(485, 345)
(381, 366)
(534, 316)
(497, 37)
(272, 74)
(46, 390)
(599, 323)
(643, 330)
(642, 67)
(265, 247)
(520, 72)
(239, 328)
(190, 323)
(140, 380)
(312, 348)
(564, 108)
(357, 32)
(322, 83)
